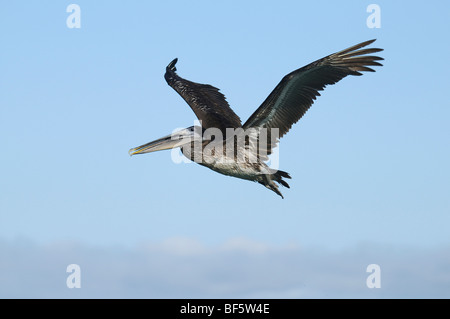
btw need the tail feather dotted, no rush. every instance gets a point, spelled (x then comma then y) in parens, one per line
(283, 183)
(283, 174)
(278, 176)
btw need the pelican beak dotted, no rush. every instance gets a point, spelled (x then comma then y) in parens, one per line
(176, 139)
(173, 140)
(160, 144)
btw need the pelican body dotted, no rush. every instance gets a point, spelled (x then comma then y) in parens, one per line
(226, 146)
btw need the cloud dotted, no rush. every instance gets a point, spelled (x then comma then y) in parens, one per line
(238, 268)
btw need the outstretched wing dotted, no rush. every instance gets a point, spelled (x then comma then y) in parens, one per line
(296, 92)
(208, 104)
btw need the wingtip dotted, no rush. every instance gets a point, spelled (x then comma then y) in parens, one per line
(171, 65)
(366, 43)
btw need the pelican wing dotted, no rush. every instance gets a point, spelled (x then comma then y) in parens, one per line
(296, 92)
(208, 104)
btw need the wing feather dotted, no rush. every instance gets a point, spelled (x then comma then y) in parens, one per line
(296, 92)
(209, 105)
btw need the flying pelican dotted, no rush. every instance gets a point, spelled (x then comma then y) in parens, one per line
(287, 103)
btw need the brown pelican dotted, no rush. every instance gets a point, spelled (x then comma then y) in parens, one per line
(226, 146)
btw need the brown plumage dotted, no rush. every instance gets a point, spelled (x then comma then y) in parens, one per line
(208, 104)
(284, 106)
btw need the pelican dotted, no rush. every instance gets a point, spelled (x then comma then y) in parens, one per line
(226, 146)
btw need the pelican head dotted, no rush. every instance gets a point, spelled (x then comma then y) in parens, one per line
(176, 139)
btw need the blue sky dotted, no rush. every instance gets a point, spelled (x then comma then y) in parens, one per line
(369, 161)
